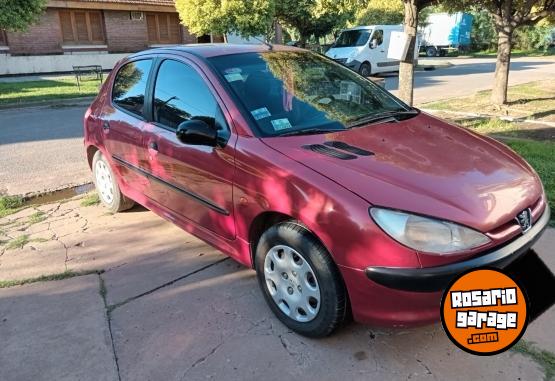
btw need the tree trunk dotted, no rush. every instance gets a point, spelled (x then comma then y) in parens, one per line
(406, 68)
(302, 41)
(499, 92)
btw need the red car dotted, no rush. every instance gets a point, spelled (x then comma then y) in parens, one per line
(343, 198)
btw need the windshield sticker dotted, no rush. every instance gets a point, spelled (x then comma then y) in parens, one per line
(260, 113)
(281, 124)
(232, 77)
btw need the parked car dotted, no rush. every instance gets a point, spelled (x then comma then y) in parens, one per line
(364, 49)
(444, 32)
(340, 196)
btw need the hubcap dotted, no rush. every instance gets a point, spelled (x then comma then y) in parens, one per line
(104, 183)
(292, 283)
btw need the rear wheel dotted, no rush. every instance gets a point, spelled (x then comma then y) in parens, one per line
(431, 51)
(107, 187)
(365, 69)
(300, 281)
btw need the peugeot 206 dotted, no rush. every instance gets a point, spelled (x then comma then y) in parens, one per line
(345, 200)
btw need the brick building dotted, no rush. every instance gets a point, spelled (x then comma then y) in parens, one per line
(80, 30)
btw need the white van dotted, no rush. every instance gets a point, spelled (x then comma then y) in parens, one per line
(364, 49)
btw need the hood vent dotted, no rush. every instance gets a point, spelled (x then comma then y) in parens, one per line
(349, 148)
(322, 149)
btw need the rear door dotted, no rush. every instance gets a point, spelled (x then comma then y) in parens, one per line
(123, 121)
(192, 181)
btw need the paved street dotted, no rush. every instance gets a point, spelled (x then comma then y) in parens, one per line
(41, 148)
(468, 75)
(168, 307)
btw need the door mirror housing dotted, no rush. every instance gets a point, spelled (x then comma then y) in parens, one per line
(197, 132)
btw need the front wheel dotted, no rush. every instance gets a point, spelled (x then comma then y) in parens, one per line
(300, 281)
(107, 186)
(365, 69)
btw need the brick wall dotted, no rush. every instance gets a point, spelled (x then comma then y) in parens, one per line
(43, 38)
(124, 34)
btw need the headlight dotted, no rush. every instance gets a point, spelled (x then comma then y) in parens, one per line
(427, 234)
(351, 57)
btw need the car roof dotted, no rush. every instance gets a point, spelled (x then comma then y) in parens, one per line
(214, 50)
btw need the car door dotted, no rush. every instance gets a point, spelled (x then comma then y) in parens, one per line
(192, 181)
(379, 53)
(123, 121)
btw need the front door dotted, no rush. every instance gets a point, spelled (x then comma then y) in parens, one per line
(192, 181)
(123, 121)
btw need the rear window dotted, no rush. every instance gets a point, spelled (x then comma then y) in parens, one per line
(130, 86)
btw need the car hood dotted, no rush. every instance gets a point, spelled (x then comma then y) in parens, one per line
(336, 53)
(426, 166)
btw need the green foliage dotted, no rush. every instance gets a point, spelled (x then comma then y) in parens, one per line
(90, 200)
(256, 17)
(533, 37)
(17, 15)
(11, 202)
(483, 34)
(245, 17)
(381, 12)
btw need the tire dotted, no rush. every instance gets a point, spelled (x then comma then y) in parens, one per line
(431, 51)
(365, 69)
(313, 283)
(107, 187)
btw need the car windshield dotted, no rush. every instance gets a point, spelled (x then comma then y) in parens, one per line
(291, 92)
(357, 37)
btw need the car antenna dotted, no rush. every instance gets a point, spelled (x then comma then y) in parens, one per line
(269, 45)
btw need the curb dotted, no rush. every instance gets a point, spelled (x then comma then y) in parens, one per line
(487, 116)
(63, 102)
(53, 195)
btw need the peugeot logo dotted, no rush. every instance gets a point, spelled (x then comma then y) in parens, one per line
(524, 219)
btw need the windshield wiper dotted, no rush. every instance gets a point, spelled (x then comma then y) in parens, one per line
(381, 116)
(309, 131)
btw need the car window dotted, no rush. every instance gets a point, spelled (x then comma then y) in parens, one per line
(378, 36)
(130, 86)
(181, 94)
(288, 91)
(347, 38)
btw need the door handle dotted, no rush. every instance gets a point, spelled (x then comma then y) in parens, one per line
(153, 146)
(105, 125)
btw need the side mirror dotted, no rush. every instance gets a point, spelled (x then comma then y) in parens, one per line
(197, 132)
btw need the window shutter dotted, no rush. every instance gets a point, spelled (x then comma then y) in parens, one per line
(97, 32)
(67, 28)
(81, 26)
(175, 32)
(163, 27)
(151, 28)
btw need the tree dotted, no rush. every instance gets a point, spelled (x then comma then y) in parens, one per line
(406, 67)
(259, 17)
(18, 15)
(314, 17)
(380, 12)
(507, 15)
(245, 17)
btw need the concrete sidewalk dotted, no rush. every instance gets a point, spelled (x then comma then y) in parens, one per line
(165, 306)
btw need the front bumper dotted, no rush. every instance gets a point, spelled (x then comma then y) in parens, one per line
(433, 279)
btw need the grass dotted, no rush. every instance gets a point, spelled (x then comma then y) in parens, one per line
(37, 217)
(542, 357)
(90, 200)
(515, 53)
(48, 89)
(534, 100)
(44, 278)
(18, 243)
(541, 156)
(10, 205)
